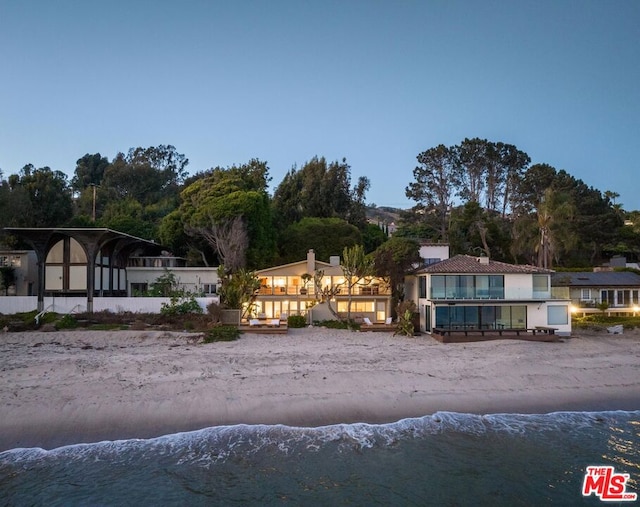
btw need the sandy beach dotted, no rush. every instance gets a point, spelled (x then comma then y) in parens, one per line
(68, 387)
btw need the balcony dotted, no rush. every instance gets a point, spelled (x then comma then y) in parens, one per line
(310, 292)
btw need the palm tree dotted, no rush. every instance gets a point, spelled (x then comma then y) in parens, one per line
(554, 212)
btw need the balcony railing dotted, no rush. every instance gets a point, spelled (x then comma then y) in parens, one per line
(295, 290)
(509, 293)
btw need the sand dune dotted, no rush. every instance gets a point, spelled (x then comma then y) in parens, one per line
(68, 387)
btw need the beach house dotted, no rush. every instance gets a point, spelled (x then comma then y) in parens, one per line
(87, 269)
(470, 295)
(290, 289)
(613, 292)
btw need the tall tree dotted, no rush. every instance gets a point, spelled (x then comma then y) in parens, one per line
(554, 211)
(89, 171)
(326, 236)
(222, 201)
(322, 190)
(437, 180)
(46, 197)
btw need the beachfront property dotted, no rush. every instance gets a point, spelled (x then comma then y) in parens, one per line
(76, 270)
(611, 292)
(289, 289)
(470, 294)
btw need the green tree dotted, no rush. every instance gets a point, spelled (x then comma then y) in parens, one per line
(89, 171)
(323, 190)
(393, 260)
(437, 180)
(45, 195)
(553, 215)
(356, 267)
(326, 236)
(239, 290)
(230, 210)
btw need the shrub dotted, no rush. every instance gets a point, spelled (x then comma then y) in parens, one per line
(406, 311)
(296, 321)
(215, 310)
(180, 305)
(222, 334)
(66, 322)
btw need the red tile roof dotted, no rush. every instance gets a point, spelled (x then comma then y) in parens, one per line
(468, 264)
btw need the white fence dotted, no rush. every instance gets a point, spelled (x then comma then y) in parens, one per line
(10, 305)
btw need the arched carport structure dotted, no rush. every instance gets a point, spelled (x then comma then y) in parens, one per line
(82, 261)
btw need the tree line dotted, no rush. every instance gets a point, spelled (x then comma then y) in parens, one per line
(479, 196)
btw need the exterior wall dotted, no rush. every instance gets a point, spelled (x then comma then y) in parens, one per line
(25, 264)
(542, 311)
(190, 279)
(18, 304)
(434, 251)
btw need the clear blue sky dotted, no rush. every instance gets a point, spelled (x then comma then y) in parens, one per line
(374, 81)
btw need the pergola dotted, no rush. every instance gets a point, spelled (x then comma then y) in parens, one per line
(112, 245)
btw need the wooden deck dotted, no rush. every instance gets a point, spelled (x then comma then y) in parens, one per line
(386, 328)
(537, 334)
(264, 328)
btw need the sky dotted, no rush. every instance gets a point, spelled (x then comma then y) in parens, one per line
(375, 82)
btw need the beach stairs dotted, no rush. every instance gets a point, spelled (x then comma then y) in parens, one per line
(264, 326)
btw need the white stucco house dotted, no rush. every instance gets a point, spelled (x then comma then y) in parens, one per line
(476, 293)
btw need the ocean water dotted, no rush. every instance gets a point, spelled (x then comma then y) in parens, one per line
(444, 459)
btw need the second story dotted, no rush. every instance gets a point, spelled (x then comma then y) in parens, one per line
(297, 279)
(468, 278)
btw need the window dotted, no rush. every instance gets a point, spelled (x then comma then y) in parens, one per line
(585, 295)
(558, 315)
(356, 306)
(138, 289)
(209, 288)
(540, 283)
(467, 286)
(422, 286)
(481, 317)
(10, 260)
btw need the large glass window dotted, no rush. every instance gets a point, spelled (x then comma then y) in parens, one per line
(437, 287)
(467, 286)
(496, 286)
(481, 317)
(558, 315)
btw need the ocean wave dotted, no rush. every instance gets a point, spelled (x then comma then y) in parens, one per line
(219, 443)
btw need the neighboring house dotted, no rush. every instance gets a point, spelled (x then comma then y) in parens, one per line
(620, 290)
(25, 271)
(285, 291)
(83, 269)
(476, 293)
(142, 273)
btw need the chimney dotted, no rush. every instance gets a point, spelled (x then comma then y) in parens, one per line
(311, 262)
(483, 260)
(334, 260)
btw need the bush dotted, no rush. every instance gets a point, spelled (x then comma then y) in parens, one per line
(222, 334)
(296, 321)
(406, 311)
(67, 322)
(181, 305)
